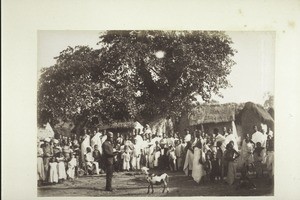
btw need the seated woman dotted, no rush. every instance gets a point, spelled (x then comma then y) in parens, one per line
(90, 164)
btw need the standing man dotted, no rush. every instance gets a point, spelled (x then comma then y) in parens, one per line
(258, 136)
(188, 136)
(47, 154)
(84, 144)
(136, 155)
(108, 156)
(219, 138)
(232, 138)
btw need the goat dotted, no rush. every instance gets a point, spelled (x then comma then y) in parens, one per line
(153, 179)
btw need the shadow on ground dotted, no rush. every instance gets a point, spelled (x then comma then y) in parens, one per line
(134, 184)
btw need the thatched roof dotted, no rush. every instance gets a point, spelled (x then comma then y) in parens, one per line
(122, 125)
(264, 116)
(213, 113)
(271, 112)
(217, 113)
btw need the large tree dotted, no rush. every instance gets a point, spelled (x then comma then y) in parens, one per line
(136, 74)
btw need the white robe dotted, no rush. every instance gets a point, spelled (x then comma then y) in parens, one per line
(188, 164)
(139, 139)
(157, 154)
(187, 138)
(150, 152)
(229, 138)
(198, 169)
(221, 138)
(85, 143)
(136, 156)
(97, 141)
(259, 137)
(71, 168)
(247, 152)
(53, 176)
(61, 169)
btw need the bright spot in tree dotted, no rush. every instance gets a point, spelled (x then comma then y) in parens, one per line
(160, 54)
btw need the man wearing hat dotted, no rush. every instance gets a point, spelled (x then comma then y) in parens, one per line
(108, 156)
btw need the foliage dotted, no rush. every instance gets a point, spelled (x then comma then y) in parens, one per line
(269, 101)
(135, 75)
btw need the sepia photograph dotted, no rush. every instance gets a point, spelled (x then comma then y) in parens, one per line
(155, 113)
(152, 99)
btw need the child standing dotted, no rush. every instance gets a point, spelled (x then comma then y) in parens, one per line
(208, 165)
(53, 174)
(219, 160)
(71, 167)
(258, 158)
(126, 158)
(61, 167)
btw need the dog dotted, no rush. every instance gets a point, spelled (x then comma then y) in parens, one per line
(153, 179)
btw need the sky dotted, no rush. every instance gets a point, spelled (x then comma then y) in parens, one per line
(251, 78)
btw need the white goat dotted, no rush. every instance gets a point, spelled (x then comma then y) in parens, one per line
(153, 179)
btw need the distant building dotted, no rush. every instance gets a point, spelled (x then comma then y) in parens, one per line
(128, 127)
(210, 116)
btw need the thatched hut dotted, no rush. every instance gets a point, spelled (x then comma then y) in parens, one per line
(210, 116)
(128, 127)
(253, 114)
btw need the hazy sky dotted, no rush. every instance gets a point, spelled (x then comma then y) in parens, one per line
(251, 77)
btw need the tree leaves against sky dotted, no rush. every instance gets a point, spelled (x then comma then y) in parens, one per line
(125, 79)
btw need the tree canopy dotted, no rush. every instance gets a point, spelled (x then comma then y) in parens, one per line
(135, 75)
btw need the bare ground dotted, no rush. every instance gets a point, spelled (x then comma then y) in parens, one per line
(134, 184)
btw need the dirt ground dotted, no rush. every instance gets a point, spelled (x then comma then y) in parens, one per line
(134, 184)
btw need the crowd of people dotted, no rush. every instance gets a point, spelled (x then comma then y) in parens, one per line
(200, 155)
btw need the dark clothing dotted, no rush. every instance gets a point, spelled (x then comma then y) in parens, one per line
(231, 155)
(215, 170)
(107, 149)
(270, 144)
(246, 183)
(48, 150)
(108, 156)
(48, 153)
(56, 152)
(98, 158)
(109, 175)
(219, 159)
(96, 155)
